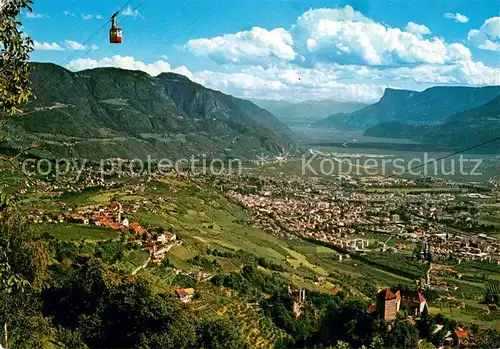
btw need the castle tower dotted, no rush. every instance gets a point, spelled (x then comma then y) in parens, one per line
(388, 304)
(298, 302)
(120, 211)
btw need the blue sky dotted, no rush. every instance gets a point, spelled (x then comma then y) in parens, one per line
(277, 49)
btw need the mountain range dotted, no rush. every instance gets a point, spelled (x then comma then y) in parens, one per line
(464, 129)
(110, 112)
(433, 105)
(445, 117)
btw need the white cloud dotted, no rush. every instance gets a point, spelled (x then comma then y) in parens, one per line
(458, 17)
(458, 53)
(256, 46)
(130, 12)
(462, 73)
(347, 13)
(123, 62)
(343, 36)
(342, 82)
(476, 73)
(47, 46)
(68, 45)
(418, 29)
(74, 45)
(346, 36)
(91, 16)
(68, 13)
(488, 36)
(290, 82)
(334, 81)
(34, 15)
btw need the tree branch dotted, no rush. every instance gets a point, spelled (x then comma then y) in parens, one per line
(12, 160)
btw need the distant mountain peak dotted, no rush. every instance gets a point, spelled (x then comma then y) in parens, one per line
(304, 113)
(465, 129)
(429, 106)
(394, 91)
(172, 76)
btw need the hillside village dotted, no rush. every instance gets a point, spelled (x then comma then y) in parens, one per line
(113, 217)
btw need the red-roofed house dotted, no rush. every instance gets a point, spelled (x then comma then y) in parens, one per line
(185, 294)
(372, 308)
(415, 302)
(462, 333)
(137, 228)
(336, 290)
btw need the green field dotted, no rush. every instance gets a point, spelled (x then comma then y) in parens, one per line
(79, 232)
(495, 220)
(132, 260)
(469, 314)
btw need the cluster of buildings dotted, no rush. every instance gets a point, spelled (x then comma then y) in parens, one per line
(339, 213)
(479, 247)
(389, 303)
(112, 217)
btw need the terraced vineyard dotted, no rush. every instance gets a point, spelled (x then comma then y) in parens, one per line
(259, 330)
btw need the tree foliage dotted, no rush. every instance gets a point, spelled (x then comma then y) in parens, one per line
(110, 312)
(15, 85)
(218, 333)
(23, 274)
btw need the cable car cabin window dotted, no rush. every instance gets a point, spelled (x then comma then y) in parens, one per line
(115, 35)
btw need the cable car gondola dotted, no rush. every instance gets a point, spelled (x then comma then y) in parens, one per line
(115, 33)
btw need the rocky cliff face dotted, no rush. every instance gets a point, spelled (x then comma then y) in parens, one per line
(430, 106)
(465, 129)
